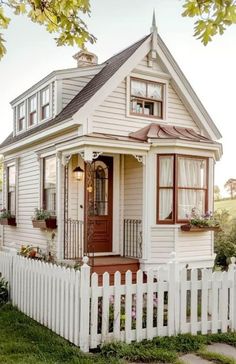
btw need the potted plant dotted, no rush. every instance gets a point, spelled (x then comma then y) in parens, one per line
(43, 219)
(198, 222)
(6, 218)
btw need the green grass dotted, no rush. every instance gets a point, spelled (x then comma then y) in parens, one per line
(23, 341)
(228, 204)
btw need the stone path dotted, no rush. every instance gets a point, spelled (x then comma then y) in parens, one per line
(193, 359)
(223, 349)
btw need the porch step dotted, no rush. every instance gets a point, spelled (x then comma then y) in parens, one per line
(112, 264)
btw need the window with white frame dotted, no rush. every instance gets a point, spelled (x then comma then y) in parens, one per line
(21, 116)
(32, 110)
(11, 189)
(181, 186)
(49, 184)
(146, 98)
(45, 103)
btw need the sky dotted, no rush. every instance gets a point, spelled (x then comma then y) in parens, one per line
(32, 54)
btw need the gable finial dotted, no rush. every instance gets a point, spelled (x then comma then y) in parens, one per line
(154, 25)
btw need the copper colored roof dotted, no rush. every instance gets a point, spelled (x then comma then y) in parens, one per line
(158, 131)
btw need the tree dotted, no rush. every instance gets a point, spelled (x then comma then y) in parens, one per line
(213, 17)
(216, 193)
(61, 17)
(230, 186)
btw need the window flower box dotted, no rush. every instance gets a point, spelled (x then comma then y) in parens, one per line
(43, 219)
(50, 223)
(7, 218)
(197, 229)
(11, 221)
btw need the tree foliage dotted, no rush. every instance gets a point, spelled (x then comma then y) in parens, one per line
(212, 17)
(230, 186)
(60, 17)
(216, 193)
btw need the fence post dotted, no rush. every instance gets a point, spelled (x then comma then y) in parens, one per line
(173, 296)
(232, 308)
(84, 306)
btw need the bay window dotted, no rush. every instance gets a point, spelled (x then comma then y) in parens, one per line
(11, 190)
(45, 103)
(146, 98)
(181, 186)
(49, 184)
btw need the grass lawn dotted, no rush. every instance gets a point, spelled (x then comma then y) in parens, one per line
(229, 205)
(23, 341)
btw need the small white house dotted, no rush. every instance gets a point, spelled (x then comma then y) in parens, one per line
(119, 152)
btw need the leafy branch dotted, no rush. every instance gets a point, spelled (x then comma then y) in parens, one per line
(60, 17)
(213, 17)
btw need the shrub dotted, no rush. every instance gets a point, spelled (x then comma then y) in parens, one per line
(3, 291)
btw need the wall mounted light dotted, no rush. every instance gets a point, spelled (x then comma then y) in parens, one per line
(78, 173)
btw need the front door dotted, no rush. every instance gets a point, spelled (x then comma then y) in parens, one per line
(99, 206)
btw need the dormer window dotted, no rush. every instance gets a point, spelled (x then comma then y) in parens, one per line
(45, 103)
(21, 116)
(146, 98)
(32, 110)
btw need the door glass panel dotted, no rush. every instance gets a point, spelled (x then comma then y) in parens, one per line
(100, 195)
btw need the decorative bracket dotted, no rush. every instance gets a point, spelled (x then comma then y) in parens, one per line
(89, 155)
(96, 155)
(140, 158)
(66, 159)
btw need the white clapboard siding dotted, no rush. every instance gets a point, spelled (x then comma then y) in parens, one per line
(162, 242)
(194, 244)
(88, 311)
(28, 197)
(72, 86)
(133, 188)
(111, 116)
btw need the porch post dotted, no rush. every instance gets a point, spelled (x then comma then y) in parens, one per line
(60, 208)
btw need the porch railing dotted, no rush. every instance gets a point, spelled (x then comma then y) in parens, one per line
(74, 239)
(132, 238)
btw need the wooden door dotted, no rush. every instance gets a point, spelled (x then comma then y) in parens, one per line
(99, 205)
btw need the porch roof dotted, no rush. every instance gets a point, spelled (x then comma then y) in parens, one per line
(158, 131)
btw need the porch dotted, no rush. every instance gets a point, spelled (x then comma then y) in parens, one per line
(102, 212)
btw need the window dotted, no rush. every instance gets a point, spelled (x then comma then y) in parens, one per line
(146, 98)
(11, 190)
(182, 186)
(32, 110)
(49, 184)
(21, 116)
(45, 105)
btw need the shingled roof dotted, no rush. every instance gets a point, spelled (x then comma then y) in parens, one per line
(111, 66)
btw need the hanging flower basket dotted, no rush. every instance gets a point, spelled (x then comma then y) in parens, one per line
(50, 223)
(197, 229)
(11, 221)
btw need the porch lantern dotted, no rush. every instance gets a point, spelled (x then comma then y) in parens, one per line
(78, 173)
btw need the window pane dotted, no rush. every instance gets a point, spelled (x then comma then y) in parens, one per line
(45, 112)
(189, 199)
(166, 164)
(32, 104)
(165, 204)
(138, 88)
(192, 172)
(21, 110)
(100, 188)
(50, 184)
(154, 91)
(45, 96)
(11, 189)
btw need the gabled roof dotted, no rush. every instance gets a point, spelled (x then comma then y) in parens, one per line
(158, 131)
(110, 68)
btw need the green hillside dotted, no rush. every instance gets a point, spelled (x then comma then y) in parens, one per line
(229, 205)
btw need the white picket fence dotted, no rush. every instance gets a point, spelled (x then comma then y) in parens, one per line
(74, 305)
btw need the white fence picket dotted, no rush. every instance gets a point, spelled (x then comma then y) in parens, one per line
(67, 302)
